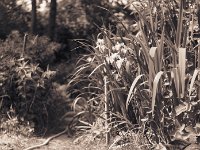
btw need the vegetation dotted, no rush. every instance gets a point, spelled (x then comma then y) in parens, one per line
(151, 82)
(136, 86)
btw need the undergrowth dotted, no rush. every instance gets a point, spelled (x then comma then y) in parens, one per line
(26, 83)
(139, 89)
(152, 78)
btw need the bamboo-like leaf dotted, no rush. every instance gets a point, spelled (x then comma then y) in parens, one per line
(182, 67)
(180, 23)
(196, 72)
(131, 90)
(185, 35)
(160, 51)
(175, 78)
(155, 85)
(151, 16)
(151, 65)
(152, 51)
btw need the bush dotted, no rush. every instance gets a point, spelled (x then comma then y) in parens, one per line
(26, 80)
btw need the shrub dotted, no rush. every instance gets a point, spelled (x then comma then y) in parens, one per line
(26, 80)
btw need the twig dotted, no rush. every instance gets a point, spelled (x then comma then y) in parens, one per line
(47, 141)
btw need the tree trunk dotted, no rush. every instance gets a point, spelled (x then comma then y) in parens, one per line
(34, 17)
(198, 14)
(52, 19)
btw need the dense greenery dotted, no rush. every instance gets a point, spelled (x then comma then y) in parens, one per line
(137, 82)
(152, 77)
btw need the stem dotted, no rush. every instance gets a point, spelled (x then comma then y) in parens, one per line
(25, 41)
(198, 88)
(106, 110)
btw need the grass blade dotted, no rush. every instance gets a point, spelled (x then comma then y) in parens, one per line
(95, 69)
(131, 90)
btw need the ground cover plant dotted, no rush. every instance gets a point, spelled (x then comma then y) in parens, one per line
(146, 83)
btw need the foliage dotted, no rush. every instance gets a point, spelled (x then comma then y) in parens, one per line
(26, 84)
(38, 48)
(129, 140)
(96, 131)
(75, 19)
(151, 66)
(152, 75)
(15, 126)
(12, 17)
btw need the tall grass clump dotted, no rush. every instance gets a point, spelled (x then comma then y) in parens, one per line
(152, 77)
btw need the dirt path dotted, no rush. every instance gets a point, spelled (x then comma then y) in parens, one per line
(63, 142)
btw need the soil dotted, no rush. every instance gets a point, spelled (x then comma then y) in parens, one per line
(63, 142)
